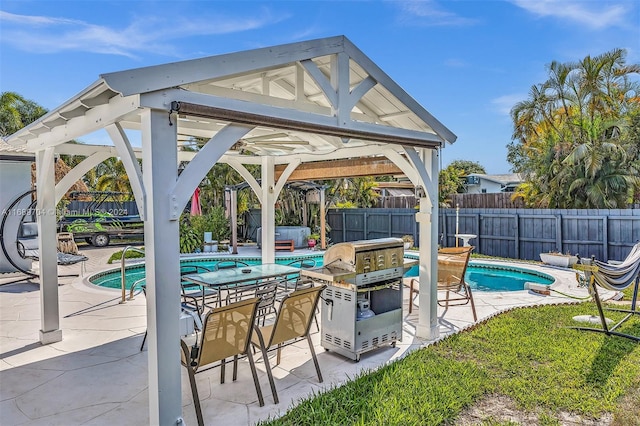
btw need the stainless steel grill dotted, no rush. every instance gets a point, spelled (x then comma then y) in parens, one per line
(363, 298)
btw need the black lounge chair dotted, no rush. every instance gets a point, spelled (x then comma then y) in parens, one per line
(28, 249)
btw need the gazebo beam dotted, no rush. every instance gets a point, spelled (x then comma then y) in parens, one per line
(337, 169)
(212, 107)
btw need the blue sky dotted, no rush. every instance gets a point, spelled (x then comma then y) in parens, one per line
(467, 62)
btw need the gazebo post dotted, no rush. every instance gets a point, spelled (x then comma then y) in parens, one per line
(162, 261)
(234, 220)
(268, 217)
(50, 331)
(428, 223)
(323, 220)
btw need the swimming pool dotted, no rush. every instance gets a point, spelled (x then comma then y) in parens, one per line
(134, 273)
(480, 276)
(491, 277)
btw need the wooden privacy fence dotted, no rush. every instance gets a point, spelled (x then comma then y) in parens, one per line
(512, 233)
(367, 224)
(500, 200)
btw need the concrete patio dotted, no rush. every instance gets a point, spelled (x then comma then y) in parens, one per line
(97, 375)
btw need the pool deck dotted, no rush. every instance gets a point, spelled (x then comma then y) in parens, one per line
(97, 375)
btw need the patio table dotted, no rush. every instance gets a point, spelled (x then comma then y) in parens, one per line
(255, 275)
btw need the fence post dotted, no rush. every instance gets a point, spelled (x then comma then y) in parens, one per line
(517, 235)
(444, 227)
(365, 218)
(344, 226)
(605, 237)
(478, 239)
(559, 245)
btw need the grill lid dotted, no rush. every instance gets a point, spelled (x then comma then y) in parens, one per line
(343, 255)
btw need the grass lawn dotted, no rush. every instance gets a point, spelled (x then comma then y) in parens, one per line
(547, 374)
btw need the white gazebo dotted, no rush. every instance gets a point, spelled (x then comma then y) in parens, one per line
(278, 107)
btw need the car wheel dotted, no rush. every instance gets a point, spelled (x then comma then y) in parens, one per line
(100, 240)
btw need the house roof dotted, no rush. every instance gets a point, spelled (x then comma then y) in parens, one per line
(503, 179)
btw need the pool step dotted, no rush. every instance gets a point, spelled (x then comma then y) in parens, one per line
(538, 288)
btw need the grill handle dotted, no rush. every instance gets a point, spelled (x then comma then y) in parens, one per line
(375, 288)
(329, 304)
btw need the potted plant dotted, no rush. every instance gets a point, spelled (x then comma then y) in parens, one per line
(408, 241)
(555, 258)
(212, 228)
(312, 240)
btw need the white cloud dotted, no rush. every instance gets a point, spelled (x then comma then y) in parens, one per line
(44, 34)
(594, 14)
(429, 13)
(503, 104)
(456, 63)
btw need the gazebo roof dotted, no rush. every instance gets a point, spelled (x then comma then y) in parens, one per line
(305, 99)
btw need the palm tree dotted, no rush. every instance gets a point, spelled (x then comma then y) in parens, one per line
(359, 191)
(17, 112)
(112, 176)
(568, 133)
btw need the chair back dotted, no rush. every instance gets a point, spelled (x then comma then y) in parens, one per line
(452, 265)
(267, 294)
(227, 331)
(296, 312)
(618, 276)
(229, 264)
(308, 263)
(193, 269)
(188, 270)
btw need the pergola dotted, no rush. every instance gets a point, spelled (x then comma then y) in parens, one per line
(284, 106)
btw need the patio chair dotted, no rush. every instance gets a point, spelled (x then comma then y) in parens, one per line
(28, 248)
(226, 334)
(292, 283)
(231, 263)
(615, 277)
(292, 324)
(185, 308)
(298, 283)
(196, 295)
(452, 266)
(264, 291)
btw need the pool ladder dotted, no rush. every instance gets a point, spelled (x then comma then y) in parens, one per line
(123, 272)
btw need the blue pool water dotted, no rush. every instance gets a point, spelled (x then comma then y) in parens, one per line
(490, 277)
(135, 273)
(480, 276)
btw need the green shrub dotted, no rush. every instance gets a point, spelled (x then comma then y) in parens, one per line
(214, 221)
(117, 256)
(190, 240)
